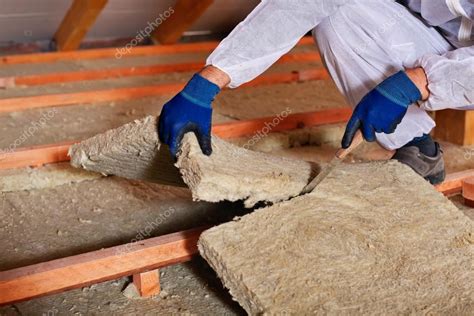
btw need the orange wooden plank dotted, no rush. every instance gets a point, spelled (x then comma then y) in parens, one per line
(44, 154)
(98, 266)
(35, 156)
(306, 40)
(291, 122)
(147, 283)
(76, 23)
(118, 52)
(296, 76)
(88, 97)
(107, 53)
(300, 57)
(185, 13)
(453, 182)
(98, 96)
(468, 191)
(33, 80)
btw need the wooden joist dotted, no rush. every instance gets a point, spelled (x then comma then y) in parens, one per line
(76, 23)
(98, 266)
(294, 76)
(153, 50)
(183, 15)
(39, 58)
(453, 182)
(291, 122)
(52, 153)
(87, 97)
(74, 76)
(468, 191)
(455, 126)
(108, 95)
(35, 156)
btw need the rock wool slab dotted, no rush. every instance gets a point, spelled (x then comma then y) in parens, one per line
(231, 173)
(48, 176)
(371, 239)
(132, 151)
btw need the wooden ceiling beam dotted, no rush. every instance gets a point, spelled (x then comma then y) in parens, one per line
(76, 23)
(184, 14)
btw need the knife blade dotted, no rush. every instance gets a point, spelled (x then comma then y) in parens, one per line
(338, 158)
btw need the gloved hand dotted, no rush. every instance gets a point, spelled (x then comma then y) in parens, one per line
(189, 111)
(382, 109)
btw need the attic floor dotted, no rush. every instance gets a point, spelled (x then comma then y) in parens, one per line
(72, 217)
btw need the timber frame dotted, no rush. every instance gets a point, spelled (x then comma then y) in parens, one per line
(78, 20)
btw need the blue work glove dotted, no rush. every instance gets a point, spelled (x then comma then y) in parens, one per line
(189, 111)
(382, 109)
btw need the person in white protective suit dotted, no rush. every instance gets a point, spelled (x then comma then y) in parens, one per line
(392, 60)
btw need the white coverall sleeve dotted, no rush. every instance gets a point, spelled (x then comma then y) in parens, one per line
(270, 31)
(450, 79)
(450, 76)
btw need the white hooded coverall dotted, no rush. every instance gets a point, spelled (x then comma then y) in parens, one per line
(362, 42)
